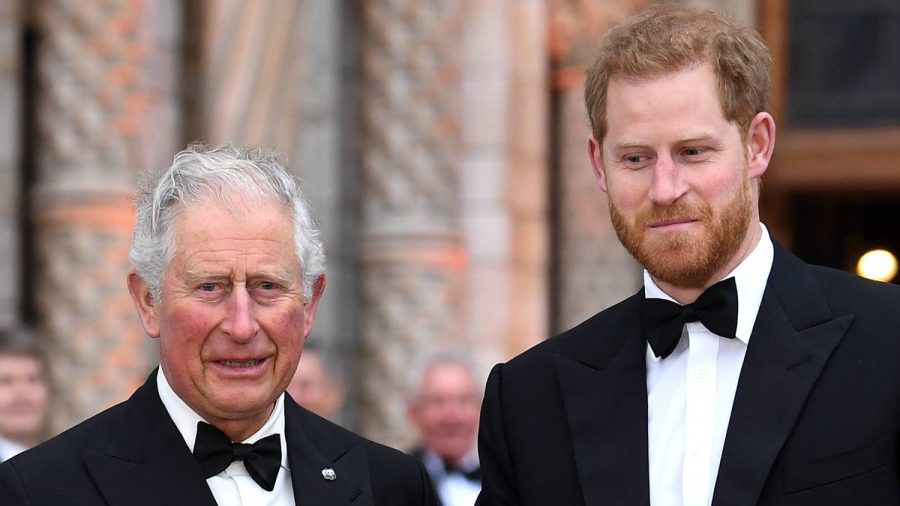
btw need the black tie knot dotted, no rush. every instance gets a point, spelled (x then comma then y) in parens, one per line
(473, 474)
(214, 452)
(688, 313)
(241, 451)
(716, 308)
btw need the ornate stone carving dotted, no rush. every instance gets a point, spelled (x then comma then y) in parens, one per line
(105, 110)
(410, 253)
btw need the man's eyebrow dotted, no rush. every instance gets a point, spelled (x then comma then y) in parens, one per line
(275, 276)
(687, 140)
(628, 145)
(205, 274)
(697, 138)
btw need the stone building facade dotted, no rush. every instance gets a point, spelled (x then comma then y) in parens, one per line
(442, 143)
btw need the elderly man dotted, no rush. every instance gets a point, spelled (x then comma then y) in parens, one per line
(24, 392)
(443, 406)
(739, 375)
(227, 271)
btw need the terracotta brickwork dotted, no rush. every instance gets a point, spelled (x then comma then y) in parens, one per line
(100, 354)
(105, 111)
(410, 253)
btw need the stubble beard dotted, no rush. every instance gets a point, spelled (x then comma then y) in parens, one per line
(687, 260)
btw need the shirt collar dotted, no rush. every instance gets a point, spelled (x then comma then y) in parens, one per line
(750, 277)
(9, 449)
(186, 418)
(435, 464)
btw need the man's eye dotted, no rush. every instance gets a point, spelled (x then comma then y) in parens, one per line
(634, 158)
(693, 151)
(208, 287)
(268, 285)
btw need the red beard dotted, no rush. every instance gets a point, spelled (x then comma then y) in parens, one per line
(687, 259)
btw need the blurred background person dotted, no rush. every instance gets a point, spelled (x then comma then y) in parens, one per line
(445, 396)
(24, 392)
(318, 384)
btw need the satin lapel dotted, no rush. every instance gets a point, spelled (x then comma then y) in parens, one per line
(146, 461)
(312, 450)
(604, 391)
(792, 339)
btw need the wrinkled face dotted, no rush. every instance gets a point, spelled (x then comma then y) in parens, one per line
(232, 319)
(677, 176)
(23, 397)
(314, 388)
(446, 411)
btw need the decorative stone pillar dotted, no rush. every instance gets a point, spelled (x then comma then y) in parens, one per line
(411, 258)
(592, 270)
(504, 176)
(10, 156)
(106, 109)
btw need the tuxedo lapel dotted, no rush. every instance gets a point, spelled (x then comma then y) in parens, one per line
(146, 461)
(792, 338)
(604, 391)
(312, 452)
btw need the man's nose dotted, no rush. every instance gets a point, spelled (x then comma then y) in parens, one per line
(240, 322)
(667, 185)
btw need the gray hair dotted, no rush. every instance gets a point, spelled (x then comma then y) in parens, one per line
(197, 174)
(446, 356)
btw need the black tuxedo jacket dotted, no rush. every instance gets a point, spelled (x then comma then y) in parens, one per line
(132, 454)
(815, 419)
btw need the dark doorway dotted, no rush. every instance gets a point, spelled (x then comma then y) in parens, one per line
(835, 229)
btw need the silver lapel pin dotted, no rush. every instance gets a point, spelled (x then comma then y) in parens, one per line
(329, 474)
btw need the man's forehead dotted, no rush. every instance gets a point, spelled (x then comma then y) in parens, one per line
(224, 263)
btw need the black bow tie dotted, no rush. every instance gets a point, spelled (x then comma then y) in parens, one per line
(716, 309)
(214, 451)
(472, 474)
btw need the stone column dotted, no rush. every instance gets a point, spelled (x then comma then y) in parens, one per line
(592, 270)
(409, 247)
(10, 156)
(106, 108)
(504, 176)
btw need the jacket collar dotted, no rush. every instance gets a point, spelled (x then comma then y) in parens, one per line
(315, 456)
(146, 461)
(794, 335)
(605, 397)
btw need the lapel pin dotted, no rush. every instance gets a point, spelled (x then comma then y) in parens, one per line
(329, 474)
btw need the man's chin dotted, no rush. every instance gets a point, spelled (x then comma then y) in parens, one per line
(680, 267)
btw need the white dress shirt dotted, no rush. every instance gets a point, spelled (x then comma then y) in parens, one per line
(690, 393)
(9, 449)
(453, 489)
(234, 486)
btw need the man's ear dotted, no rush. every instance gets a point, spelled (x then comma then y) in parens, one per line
(595, 151)
(760, 144)
(148, 309)
(313, 303)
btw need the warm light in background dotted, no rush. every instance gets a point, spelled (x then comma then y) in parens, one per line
(878, 264)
